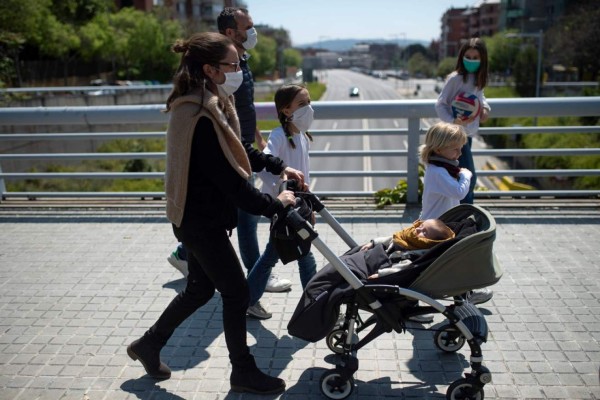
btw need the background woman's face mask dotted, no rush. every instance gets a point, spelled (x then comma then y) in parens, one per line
(303, 117)
(233, 80)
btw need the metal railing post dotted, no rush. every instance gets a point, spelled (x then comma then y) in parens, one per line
(2, 186)
(412, 162)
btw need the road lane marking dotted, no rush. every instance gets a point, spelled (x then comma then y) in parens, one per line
(313, 181)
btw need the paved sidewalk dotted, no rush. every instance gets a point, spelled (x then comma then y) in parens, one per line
(77, 287)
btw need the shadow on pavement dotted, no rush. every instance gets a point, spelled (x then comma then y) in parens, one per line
(146, 387)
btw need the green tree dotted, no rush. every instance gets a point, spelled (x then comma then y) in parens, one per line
(61, 41)
(445, 67)
(10, 47)
(19, 22)
(410, 50)
(262, 60)
(79, 12)
(502, 52)
(149, 46)
(136, 43)
(574, 40)
(419, 64)
(525, 72)
(292, 58)
(24, 17)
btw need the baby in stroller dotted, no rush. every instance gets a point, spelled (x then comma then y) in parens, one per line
(418, 237)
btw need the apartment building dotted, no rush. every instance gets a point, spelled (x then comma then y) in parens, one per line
(459, 24)
(488, 17)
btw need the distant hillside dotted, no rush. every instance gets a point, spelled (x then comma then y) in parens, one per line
(347, 44)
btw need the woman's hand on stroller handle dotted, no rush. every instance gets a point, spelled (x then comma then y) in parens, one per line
(294, 185)
(301, 191)
(287, 198)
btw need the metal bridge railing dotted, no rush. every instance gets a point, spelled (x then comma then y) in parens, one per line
(412, 110)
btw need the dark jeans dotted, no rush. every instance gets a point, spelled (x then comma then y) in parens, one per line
(212, 264)
(466, 161)
(248, 238)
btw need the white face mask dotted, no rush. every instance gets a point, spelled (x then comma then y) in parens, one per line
(303, 117)
(233, 80)
(251, 39)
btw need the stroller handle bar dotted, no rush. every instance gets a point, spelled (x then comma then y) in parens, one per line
(319, 207)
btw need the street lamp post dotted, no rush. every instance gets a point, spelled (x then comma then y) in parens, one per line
(539, 64)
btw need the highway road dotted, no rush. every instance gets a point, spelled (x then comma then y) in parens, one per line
(339, 83)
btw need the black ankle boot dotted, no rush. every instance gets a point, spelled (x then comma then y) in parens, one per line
(252, 380)
(149, 355)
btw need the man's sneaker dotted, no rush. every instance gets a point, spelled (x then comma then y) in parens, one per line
(274, 284)
(479, 296)
(179, 264)
(422, 319)
(258, 311)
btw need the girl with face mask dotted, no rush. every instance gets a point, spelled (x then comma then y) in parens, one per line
(470, 76)
(291, 143)
(206, 180)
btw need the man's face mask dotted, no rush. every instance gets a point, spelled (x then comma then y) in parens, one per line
(251, 39)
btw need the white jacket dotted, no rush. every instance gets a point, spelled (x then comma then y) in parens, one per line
(441, 191)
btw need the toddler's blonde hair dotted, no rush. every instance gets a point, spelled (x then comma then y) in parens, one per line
(440, 136)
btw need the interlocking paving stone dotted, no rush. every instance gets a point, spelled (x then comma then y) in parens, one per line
(75, 290)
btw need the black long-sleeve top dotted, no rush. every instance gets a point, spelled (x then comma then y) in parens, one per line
(216, 190)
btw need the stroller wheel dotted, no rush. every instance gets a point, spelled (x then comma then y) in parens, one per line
(334, 387)
(335, 340)
(449, 339)
(462, 389)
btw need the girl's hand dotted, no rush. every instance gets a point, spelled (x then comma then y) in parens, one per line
(292, 173)
(484, 115)
(467, 172)
(287, 198)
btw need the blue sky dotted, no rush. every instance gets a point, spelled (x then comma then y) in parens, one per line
(310, 21)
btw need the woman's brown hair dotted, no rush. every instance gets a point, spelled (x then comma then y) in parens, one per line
(200, 49)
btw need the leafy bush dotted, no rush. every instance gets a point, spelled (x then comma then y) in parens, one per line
(397, 194)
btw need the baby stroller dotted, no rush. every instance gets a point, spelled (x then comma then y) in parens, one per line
(445, 271)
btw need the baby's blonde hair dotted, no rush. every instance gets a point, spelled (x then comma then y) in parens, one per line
(440, 136)
(440, 230)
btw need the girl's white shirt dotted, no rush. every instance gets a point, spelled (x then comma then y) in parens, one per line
(441, 191)
(279, 146)
(453, 86)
